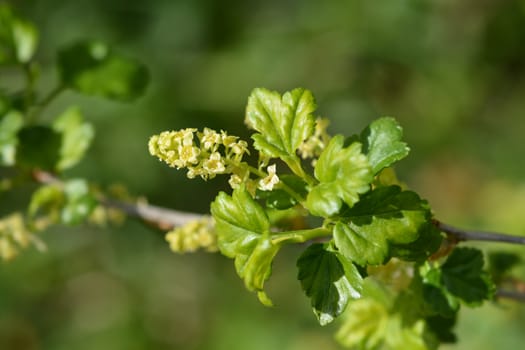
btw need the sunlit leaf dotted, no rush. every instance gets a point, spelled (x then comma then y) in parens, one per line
(364, 325)
(382, 143)
(343, 173)
(48, 201)
(243, 233)
(283, 122)
(79, 202)
(18, 37)
(382, 218)
(91, 68)
(10, 124)
(329, 280)
(76, 137)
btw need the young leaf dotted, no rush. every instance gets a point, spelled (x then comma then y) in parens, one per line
(239, 222)
(46, 201)
(343, 173)
(382, 143)
(329, 280)
(18, 38)
(463, 276)
(38, 147)
(10, 123)
(382, 218)
(283, 122)
(371, 323)
(79, 202)
(364, 325)
(243, 233)
(91, 68)
(76, 137)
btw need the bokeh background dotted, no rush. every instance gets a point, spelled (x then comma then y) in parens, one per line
(452, 72)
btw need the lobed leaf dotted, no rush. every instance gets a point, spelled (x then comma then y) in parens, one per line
(76, 137)
(382, 143)
(18, 37)
(243, 233)
(10, 124)
(91, 68)
(283, 122)
(382, 222)
(364, 325)
(329, 280)
(343, 174)
(463, 276)
(79, 202)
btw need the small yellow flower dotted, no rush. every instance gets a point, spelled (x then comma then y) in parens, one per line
(210, 139)
(235, 181)
(239, 147)
(214, 165)
(267, 183)
(227, 140)
(188, 154)
(153, 145)
(197, 234)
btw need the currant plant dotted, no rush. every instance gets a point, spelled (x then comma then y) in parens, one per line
(376, 253)
(374, 256)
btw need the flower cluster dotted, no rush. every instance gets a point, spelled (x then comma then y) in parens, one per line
(197, 234)
(315, 144)
(204, 154)
(14, 236)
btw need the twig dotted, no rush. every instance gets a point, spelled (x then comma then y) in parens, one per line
(466, 235)
(162, 217)
(510, 294)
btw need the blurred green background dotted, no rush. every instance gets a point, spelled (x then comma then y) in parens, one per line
(452, 72)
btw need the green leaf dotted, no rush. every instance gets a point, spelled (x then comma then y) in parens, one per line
(10, 124)
(18, 37)
(463, 276)
(368, 325)
(243, 233)
(47, 200)
(38, 147)
(283, 122)
(79, 202)
(442, 327)
(439, 301)
(382, 218)
(329, 280)
(424, 246)
(91, 68)
(76, 137)
(364, 325)
(500, 264)
(382, 143)
(343, 173)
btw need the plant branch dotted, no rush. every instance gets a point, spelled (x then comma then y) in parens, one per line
(461, 235)
(168, 218)
(164, 218)
(510, 294)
